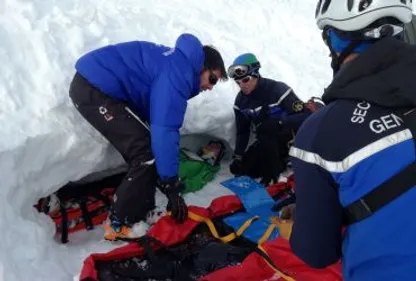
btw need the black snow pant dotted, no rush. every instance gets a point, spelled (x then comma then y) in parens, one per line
(267, 157)
(135, 196)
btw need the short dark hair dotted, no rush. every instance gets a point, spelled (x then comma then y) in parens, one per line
(214, 61)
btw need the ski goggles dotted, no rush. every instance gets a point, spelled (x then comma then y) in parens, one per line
(243, 80)
(241, 70)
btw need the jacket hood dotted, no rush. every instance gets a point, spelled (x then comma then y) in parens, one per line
(385, 75)
(192, 48)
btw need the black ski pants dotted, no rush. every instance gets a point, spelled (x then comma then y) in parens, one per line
(135, 196)
(266, 158)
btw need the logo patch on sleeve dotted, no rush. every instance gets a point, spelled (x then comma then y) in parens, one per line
(297, 106)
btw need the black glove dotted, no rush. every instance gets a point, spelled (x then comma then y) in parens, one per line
(236, 167)
(266, 180)
(171, 188)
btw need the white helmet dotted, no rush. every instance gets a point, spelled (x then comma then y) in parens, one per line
(352, 15)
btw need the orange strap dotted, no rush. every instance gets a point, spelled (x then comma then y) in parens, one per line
(228, 238)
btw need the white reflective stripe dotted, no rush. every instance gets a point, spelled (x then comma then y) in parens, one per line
(148, 163)
(282, 97)
(278, 102)
(257, 109)
(137, 117)
(354, 158)
(410, 111)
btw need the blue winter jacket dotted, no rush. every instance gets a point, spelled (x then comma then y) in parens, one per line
(347, 149)
(156, 81)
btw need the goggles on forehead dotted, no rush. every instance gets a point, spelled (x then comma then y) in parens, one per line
(241, 70)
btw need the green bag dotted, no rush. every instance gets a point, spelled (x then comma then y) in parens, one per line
(196, 170)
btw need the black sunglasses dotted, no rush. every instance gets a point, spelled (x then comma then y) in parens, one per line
(213, 79)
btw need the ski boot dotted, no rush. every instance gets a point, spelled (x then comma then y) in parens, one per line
(115, 229)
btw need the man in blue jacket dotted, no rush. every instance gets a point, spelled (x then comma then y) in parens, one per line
(349, 158)
(135, 94)
(273, 110)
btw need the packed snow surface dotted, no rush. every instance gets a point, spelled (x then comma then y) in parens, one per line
(45, 143)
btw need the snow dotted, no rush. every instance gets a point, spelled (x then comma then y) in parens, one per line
(45, 142)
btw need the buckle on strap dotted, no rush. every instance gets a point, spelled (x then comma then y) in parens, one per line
(358, 211)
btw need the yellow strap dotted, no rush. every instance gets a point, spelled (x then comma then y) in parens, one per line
(267, 234)
(239, 232)
(284, 276)
(228, 238)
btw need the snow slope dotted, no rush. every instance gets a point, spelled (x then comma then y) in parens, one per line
(45, 143)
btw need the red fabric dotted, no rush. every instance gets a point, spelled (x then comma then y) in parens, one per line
(280, 186)
(252, 268)
(282, 255)
(225, 205)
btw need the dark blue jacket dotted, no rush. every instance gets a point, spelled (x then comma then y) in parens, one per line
(156, 81)
(283, 104)
(344, 151)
